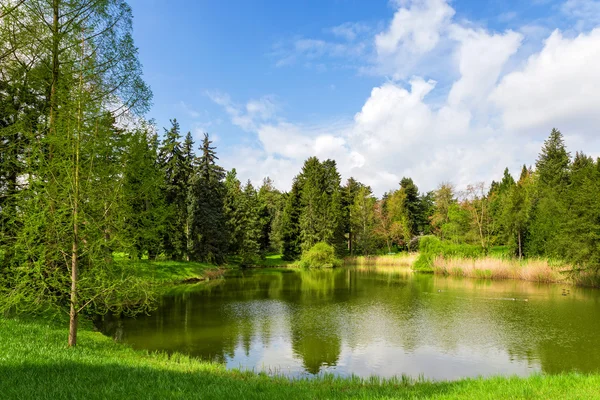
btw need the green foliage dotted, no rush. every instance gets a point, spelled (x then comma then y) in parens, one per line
(431, 247)
(320, 255)
(208, 240)
(290, 224)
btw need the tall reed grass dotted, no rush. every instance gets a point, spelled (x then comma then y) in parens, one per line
(535, 270)
(390, 260)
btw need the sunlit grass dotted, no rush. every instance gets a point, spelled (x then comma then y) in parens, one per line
(162, 271)
(36, 364)
(390, 260)
(535, 270)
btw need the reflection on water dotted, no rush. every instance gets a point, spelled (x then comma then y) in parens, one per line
(365, 322)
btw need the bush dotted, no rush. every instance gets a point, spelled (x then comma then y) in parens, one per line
(320, 255)
(431, 247)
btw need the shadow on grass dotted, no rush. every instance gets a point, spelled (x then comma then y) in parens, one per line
(77, 380)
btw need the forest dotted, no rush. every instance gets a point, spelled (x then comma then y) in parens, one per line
(84, 175)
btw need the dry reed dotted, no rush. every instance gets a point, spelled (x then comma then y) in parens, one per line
(535, 270)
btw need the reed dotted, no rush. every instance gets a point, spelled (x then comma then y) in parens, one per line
(390, 260)
(535, 270)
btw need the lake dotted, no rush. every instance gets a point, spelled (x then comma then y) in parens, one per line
(367, 322)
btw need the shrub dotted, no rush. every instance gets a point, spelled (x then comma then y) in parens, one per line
(320, 255)
(430, 247)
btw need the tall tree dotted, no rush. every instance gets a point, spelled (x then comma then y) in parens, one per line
(362, 218)
(290, 223)
(66, 212)
(175, 168)
(208, 240)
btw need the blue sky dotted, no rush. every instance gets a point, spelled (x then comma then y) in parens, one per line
(373, 84)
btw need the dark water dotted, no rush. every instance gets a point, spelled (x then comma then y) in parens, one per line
(364, 322)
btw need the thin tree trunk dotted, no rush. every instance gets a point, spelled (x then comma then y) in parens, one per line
(75, 248)
(55, 66)
(520, 250)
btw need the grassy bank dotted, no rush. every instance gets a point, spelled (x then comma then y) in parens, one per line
(165, 272)
(35, 364)
(389, 260)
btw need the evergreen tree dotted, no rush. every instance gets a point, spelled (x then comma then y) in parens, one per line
(175, 167)
(208, 239)
(250, 246)
(548, 209)
(234, 212)
(144, 209)
(290, 223)
(412, 204)
(269, 205)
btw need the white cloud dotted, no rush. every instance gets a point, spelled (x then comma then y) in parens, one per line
(349, 30)
(246, 117)
(415, 28)
(556, 87)
(506, 91)
(586, 12)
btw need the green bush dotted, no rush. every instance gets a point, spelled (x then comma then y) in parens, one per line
(320, 255)
(431, 247)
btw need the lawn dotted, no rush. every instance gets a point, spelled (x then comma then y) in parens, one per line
(36, 364)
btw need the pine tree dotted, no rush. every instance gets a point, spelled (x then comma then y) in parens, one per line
(234, 213)
(269, 205)
(176, 175)
(208, 241)
(144, 210)
(250, 247)
(412, 204)
(290, 223)
(548, 209)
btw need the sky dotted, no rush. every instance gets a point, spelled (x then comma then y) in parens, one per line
(436, 90)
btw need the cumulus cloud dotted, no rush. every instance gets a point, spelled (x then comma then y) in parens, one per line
(557, 86)
(501, 104)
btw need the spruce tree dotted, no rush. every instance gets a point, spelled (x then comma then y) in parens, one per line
(290, 223)
(208, 238)
(176, 175)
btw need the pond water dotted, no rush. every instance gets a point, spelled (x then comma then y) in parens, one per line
(374, 322)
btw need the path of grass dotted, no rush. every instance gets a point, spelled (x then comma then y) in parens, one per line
(35, 364)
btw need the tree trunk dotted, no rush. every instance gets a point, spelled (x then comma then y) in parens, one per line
(520, 249)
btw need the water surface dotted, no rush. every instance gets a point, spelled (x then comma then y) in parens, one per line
(365, 322)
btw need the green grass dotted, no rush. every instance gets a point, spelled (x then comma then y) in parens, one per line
(35, 364)
(171, 271)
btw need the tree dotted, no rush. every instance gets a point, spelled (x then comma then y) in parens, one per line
(515, 212)
(66, 211)
(412, 204)
(269, 205)
(290, 223)
(208, 239)
(362, 219)
(548, 209)
(144, 210)
(477, 204)
(250, 246)
(443, 200)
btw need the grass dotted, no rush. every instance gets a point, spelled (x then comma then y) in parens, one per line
(36, 364)
(160, 271)
(536, 270)
(531, 269)
(390, 260)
